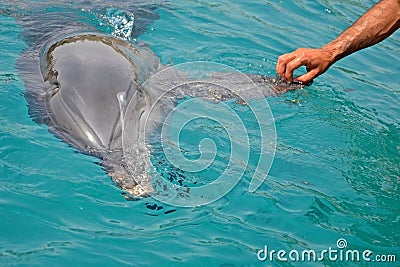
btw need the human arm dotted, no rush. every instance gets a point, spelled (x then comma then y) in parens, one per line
(374, 26)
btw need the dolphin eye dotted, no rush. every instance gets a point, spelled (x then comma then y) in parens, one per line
(53, 87)
(140, 93)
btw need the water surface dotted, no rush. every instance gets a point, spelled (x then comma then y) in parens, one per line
(335, 174)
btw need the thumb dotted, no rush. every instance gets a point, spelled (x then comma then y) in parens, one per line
(308, 77)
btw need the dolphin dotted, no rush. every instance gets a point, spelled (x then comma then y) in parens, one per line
(84, 78)
(87, 80)
(45, 26)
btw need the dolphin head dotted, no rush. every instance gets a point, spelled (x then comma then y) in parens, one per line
(95, 100)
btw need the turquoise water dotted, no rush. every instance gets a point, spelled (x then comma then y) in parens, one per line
(336, 171)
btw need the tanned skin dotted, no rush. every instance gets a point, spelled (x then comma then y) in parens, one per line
(375, 25)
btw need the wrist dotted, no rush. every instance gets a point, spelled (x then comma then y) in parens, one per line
(333, 52)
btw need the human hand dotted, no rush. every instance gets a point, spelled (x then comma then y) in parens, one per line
(317, 61)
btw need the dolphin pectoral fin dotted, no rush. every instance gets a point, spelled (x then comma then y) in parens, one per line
(250, 86)
(275, 85)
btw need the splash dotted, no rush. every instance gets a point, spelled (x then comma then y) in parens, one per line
(121, 22)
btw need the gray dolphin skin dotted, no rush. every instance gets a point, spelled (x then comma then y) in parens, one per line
(86, 80)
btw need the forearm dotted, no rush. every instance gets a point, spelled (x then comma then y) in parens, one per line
(374, 26)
